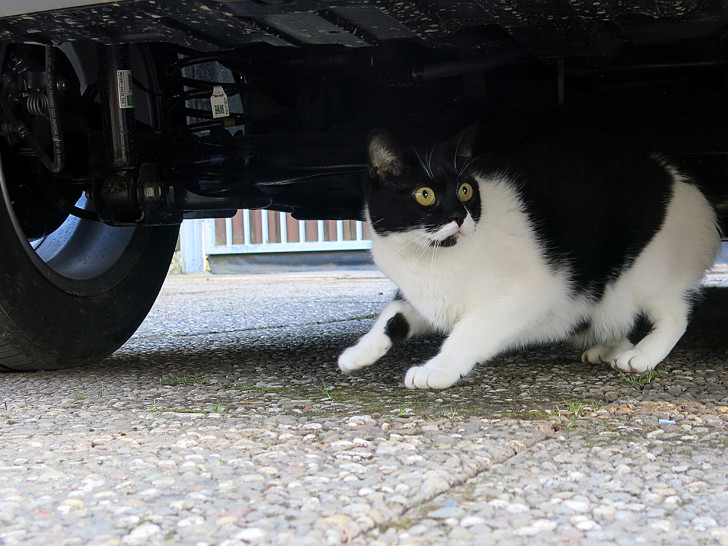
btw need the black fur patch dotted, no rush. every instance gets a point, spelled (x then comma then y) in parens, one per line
(397, 327)
(642, 326)
(581, 327)
(450, 241)
(594, 202)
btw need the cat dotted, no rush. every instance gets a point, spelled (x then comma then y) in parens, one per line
(575, 239)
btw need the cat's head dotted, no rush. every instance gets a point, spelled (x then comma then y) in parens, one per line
(428, 195)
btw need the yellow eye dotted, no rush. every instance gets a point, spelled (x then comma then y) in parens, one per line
(465, 192)
(425, 196)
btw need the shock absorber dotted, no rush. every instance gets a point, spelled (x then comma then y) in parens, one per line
(118, 196)
(116, 96)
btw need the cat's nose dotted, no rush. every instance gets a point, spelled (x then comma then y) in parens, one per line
(458, 218)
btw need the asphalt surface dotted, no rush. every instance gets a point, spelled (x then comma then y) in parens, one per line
(224, 420)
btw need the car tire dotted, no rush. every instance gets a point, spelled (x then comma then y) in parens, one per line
(58, 315)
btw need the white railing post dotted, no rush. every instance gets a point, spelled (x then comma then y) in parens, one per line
(284, 227)
(264, 226)
(246, 226)
(228, 231)
(339, 230)
(208, 235)
(192, 253)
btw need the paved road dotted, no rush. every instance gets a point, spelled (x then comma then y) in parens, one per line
(225, 421)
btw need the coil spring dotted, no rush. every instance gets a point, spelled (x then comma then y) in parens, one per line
(183, 71)
(37, 104)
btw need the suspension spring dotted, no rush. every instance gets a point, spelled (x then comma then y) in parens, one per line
(189, 72)
(37, 104)
(56, 161)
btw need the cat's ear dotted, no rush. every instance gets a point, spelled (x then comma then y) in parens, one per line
(464, 142)
(386, 160)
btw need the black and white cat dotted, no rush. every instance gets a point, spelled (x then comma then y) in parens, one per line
(568, 239)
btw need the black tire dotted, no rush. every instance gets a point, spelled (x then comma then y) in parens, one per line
(49, 321)
(75, 295)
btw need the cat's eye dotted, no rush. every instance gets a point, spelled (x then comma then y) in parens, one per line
(425, 196)
(465, 192)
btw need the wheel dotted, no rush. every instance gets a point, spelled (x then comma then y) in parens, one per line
(72, 290)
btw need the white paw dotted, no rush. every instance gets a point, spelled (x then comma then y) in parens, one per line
(597, 355)
(422, 377)
(364, 353)
(604, 354)
(633, 362)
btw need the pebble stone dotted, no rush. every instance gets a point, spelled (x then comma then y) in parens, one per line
(224, 421)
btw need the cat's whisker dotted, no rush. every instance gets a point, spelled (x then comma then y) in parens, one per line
(486, 262)
(429, 163)
(467, 164)
(415, 242)
(417, 155)
(457, 149)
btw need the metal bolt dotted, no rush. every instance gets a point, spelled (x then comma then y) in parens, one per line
(152, 191)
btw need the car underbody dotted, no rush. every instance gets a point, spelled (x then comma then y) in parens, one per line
(307, 80)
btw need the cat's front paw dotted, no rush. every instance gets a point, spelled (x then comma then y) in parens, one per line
(633, 361)
(364, 353)
(605, 354)
(422, 377)
(597, 355)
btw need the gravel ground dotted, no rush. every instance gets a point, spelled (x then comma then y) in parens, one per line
(225, 421)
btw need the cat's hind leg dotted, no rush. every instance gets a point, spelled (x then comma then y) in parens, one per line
(605, 354)
(670, 319)
(398, 321)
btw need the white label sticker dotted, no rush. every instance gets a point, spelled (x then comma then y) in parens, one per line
(123, 85)
(219, 103)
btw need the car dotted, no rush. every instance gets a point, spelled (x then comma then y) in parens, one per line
(120, 119)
